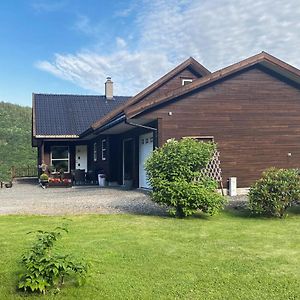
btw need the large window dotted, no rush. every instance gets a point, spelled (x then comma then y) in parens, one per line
(60, 158)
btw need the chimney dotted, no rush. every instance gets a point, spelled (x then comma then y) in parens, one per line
(109, 89)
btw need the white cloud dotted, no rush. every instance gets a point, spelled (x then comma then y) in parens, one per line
(216, 33)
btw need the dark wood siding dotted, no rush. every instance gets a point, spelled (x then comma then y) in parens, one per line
(254, 117)
(172, 84)
(99, 166)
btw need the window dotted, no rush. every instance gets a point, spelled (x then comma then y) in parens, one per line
(104, 149)
(204, 138)
(186, 81)
(95, 151)
(60, 158)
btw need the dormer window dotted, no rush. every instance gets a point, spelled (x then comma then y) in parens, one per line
(186, 81)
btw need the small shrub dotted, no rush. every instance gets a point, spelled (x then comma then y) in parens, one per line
(274, 192)
(44, 269)
(172, 170)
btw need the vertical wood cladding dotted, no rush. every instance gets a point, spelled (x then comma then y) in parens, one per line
(254, 117)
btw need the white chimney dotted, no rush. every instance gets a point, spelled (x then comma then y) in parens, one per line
(109, 89)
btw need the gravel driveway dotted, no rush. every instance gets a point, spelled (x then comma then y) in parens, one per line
(27, 197)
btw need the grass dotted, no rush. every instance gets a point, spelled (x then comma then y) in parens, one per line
(230, 256)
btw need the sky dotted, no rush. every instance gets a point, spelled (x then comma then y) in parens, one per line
(71, 46)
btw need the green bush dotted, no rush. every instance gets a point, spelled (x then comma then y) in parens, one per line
(45, 269)
(172, 170)
(274, 192)
(44, 177)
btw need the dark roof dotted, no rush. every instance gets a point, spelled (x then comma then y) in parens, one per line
(68, 115)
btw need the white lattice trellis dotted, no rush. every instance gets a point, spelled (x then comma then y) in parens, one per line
(213, 169)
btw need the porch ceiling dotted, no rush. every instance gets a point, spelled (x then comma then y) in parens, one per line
(123, 127)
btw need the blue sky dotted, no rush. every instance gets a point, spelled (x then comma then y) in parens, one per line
(71, 46)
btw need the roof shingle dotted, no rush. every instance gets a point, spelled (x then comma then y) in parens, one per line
(56, 115)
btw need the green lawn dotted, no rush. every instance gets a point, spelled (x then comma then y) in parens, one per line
(230, 256)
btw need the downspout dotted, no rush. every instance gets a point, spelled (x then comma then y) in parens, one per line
(154, 130)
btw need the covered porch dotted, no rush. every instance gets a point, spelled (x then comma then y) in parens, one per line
(118, 151)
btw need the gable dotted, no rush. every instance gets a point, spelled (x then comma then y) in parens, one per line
(270, 63)
(169, 82)
(172, 84)
(253, 95)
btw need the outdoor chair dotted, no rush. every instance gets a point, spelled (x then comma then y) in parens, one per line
(79, 177)
(91, 177)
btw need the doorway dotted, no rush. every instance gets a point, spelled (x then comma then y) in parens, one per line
(81, 157)
(128, 162)
(145, 149)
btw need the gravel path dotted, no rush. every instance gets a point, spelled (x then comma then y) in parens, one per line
(27, 197)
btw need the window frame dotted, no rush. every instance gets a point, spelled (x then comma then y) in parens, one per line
(202, 138)
(104, 149)
(95, 152)
(186, 81)
(60, 159)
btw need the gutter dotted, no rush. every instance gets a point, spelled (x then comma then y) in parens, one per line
(153, 129)
(112, 123)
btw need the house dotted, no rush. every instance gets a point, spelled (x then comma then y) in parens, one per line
(251, 109)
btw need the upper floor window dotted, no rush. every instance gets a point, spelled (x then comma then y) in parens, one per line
(95, 151)
(104, 149)
(186, 81)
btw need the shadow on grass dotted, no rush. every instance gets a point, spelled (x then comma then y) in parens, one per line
(239, 212)
(244, 212)
(294, 210)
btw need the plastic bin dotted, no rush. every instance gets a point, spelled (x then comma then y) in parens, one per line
(232, 186)
(101, 179)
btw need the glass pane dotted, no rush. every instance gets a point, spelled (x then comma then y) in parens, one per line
(104, 144)
(95, 152)
(103, 154)
(59, 152)
(61, 164)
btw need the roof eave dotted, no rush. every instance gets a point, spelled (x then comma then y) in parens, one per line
(261, 58)
(190, 62)
(65, 136)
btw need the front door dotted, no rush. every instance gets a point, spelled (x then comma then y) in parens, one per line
(145, 149)
(81, 157)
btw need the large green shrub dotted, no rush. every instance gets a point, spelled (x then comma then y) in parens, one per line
(274, 192)
(172, 170)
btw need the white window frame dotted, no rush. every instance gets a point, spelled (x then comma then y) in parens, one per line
(103, 149)
(95, 152)
(66, 159)
(186, 81)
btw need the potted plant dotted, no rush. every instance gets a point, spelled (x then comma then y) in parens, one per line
(44, 180)
(61, 174)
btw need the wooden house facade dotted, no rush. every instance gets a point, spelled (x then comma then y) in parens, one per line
(250, 109)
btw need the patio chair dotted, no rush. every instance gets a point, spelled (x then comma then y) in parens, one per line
(79, 177)
(91, 177)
